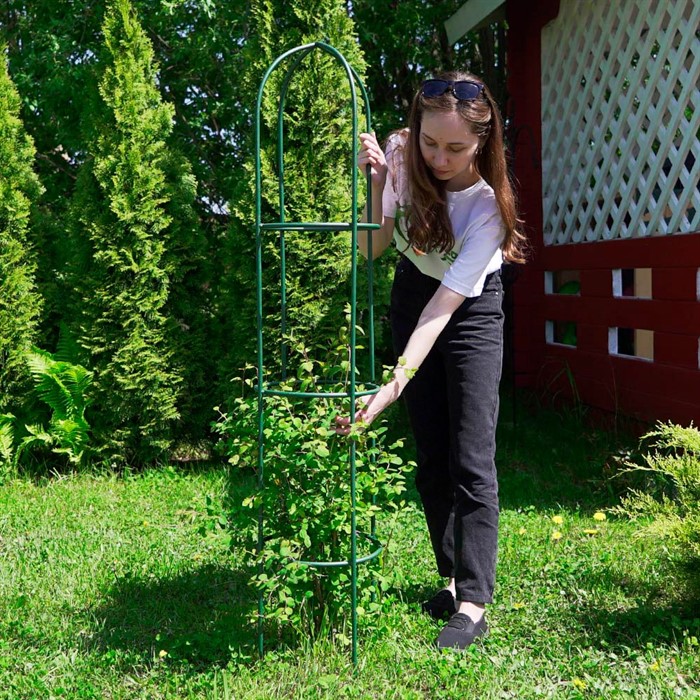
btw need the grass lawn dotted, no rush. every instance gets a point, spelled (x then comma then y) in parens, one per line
(107, 590)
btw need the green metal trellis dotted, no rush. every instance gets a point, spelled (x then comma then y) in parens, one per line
(273, 388)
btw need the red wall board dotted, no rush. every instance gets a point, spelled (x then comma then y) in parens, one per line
(621, 372)
(677, 349)
(652, 406)
(524, 317)
(603, 393)
(639, 404)
(523, 368)
(666, 316)
(528, 285)
(591, 338)
(555, 382)
(675, 283)
(532, 341)
(524, 135)
(656, 251)
(596, 283)
(583, 365)
(669, 348)
(527, 316)
(667, 283)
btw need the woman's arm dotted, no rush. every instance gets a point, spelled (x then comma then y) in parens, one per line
(371, 154)
(434, 318)
(381, 237)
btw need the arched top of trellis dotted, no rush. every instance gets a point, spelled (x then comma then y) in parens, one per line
(297, 55)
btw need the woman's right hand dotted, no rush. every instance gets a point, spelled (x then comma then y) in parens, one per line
(371, 154)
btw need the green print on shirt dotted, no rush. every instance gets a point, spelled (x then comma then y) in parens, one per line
(401, 214)
(449, 257)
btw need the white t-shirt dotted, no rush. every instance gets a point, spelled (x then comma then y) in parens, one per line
(476, 223)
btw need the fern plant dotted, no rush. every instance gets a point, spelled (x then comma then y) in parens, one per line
(62, 386)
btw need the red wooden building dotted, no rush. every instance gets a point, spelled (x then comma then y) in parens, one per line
(604, 113)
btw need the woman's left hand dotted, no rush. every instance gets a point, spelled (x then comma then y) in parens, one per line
(369, 407)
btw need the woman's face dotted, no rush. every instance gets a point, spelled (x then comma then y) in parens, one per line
(449, 149)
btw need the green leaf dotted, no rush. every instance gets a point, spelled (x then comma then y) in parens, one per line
(322, 451)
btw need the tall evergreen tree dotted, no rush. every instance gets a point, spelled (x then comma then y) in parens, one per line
(20, 305)
(318, 157)
(130, 250)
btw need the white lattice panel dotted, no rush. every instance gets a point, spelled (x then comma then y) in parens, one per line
(621, 120)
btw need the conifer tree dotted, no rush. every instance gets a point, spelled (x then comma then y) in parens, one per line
(318, 158)
(20, 304)
(130, 250)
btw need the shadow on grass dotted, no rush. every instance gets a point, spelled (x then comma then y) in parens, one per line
(659, 617)
(643, 612)
(642, 626)
(200, 616)
(552, 458)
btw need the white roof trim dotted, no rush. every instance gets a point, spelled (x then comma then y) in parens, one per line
(472, 15)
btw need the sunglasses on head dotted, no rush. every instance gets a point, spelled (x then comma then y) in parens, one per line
(461, 89)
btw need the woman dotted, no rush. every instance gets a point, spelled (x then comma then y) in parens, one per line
(441, 191)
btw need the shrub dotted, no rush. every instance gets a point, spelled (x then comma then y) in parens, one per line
(670, 497)
(305, 500)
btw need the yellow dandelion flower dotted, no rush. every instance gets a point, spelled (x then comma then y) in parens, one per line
(599, 515)
(578, 683)
(162, 654)
(145, 523)
(557, 519)
(518, 606)
(655, 666)
(592, 531)
(556, 535)
(522, 531)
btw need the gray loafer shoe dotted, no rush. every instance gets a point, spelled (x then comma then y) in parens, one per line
(441, 606)
(461, 631)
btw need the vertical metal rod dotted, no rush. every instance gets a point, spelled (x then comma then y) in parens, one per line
(259, 329)
(283, 249)
(353, 379)
(284, 345)
(370, 273)
(370, 302)
(259, 325)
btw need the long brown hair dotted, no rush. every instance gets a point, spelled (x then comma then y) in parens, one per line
(429, 226)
